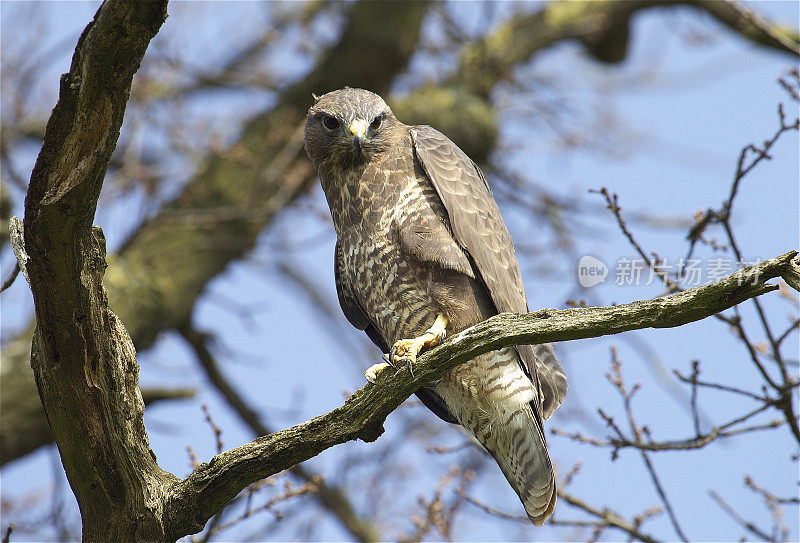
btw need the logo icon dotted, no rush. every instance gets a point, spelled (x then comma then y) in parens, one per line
(591, 271)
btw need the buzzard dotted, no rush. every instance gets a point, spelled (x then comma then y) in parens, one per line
(421, 252)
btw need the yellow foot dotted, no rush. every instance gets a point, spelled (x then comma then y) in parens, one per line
(405, 351)
(372, 372)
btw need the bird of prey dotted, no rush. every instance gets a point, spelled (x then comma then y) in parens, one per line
(421, 252)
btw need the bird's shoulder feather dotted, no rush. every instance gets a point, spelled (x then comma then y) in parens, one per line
(474, 216)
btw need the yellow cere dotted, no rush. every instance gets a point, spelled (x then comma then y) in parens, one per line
(358, 128)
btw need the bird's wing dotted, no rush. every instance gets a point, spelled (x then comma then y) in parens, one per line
(358, 318)
(474, 217)
(478, 227)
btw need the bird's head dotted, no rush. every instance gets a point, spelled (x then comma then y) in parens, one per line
(347, 127)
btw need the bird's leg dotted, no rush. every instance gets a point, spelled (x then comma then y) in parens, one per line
(406, 350)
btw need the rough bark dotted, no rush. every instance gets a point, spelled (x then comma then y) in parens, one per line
(24, 425)
(83, 361)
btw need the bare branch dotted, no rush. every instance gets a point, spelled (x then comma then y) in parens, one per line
(153, 395)
(214, 427)
(616, 379)
(749, 526)
(694, 381)
(652, 262)
(82, 357)
(608, 517)
(11, 278)
(289, 492)
(213, 484)
(751, 26)
(9, 530)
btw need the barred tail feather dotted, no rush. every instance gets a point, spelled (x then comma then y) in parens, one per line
(491, 397)
(521, 453)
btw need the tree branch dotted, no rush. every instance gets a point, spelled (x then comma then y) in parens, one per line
(195, 499)
(83, 360)
(331, 497)
(608, 517)
(751, 26)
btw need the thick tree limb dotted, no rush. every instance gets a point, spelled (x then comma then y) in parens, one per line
(603, 28)
(154, 395)
(82, 358)
(750, 25)
(213, 484)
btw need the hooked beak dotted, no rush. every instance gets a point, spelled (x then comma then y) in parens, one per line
(358, 129)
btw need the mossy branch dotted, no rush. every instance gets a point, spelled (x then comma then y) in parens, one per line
(213, 484)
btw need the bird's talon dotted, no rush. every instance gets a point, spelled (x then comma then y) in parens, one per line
(372, 372)
(406, 350)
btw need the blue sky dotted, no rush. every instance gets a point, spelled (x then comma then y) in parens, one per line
(681, 114)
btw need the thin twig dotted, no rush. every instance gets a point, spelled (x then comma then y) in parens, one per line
(608, 517)
(7, 535)
(792, 327)
(214, 428)
(289, 492)
(721, 387)
(652, 261)
(11, 278)
(724, 218)
(698, 442)
(738, 518)
(627, 396)
(438, 514)
(693, 401)
(496, 512)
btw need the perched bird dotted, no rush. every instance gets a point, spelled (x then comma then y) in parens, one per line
(421, 252)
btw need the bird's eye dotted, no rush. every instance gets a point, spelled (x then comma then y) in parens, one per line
(376, 122)
(330, 122)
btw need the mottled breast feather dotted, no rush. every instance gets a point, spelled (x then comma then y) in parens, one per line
(349, 303)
